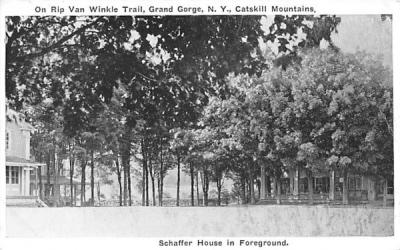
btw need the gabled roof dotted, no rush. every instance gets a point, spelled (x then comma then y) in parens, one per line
(19, 119)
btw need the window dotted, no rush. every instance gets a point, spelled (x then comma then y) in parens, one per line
(303, 185)
(321, 185)
(12, 174)
(338, 184)
(355, 183)
(7, 140)
(32, 175)
(7, 174)
(285, 186)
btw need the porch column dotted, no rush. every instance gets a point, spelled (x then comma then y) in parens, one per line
(296, 180)
(278, 190)
(36, 192)
(263, 183)
(22, 179)
(291, 181)
(273, 186)
(27, 181)
(371, 189)
(332, 186)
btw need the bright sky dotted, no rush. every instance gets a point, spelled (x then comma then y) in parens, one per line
(358, 33)
(365, 32)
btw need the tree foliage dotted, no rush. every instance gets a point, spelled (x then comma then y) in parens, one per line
(200, 90)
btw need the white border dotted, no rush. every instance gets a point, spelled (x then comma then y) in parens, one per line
(26, 7)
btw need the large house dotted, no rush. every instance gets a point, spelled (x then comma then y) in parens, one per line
(21, 170)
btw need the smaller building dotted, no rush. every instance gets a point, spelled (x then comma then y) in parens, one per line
(327, 187)
(21, 170)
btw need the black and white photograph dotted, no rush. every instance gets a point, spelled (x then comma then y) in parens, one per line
(184, 127)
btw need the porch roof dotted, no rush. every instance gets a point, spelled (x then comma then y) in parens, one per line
(21, 162)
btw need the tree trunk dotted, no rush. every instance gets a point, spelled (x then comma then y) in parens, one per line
(56, 186)
(71, 181)
(143, 185)
(47, 188)
(205, 184)
(144, 168)
(83, 183)
(129, 181)
(119, 180)
(161, 176)
(197, 188)
(158, 189)
(178, 181)
(160, 203)
(75, 192)
(125, 180)
(243, 189)
(150, 167)
(71, 174)
(92, 178)
(40, 183)
(124, 159)
(268, 186)
(205, 198)
(385, 185)
(219, 188)
(248, 190)
(161, 189)
(345, 189)
(310, 187)
(125, 149)
(251, 183)
(147, 186)
(191, 184)
(153, 190)
(263, 179)
(98, 192)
